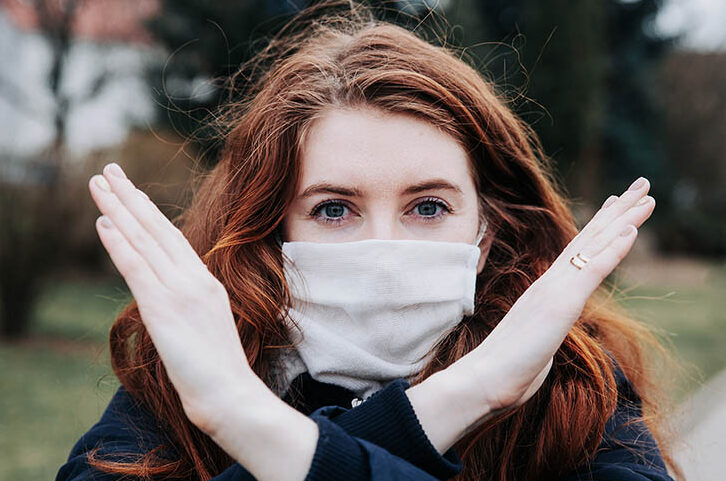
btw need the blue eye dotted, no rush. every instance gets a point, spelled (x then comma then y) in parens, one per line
(428, 208)
(333, 211)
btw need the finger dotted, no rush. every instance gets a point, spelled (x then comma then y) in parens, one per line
(611, 210)
(608, 202)
(148, 215)
(621, 205)
(636, 215)
(140, 240)
(142, 281)
(597, 268)
(577, 285)
(605, 261)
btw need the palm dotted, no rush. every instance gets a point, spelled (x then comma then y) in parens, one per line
(514, 359)
(184, 308)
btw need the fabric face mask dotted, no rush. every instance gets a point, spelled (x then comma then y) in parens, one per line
(368, 311)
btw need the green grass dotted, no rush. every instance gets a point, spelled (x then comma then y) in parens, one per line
(56, 385)
(80, 309)
(693, 317)
(50, 399)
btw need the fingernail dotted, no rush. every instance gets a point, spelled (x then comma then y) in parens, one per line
(644, 200)
(628, 230)
(102, 183)
(116, 170)
(637, 184)
(610, 200)
(105, 221)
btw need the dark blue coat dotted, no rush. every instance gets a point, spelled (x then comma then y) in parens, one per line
(379, 440)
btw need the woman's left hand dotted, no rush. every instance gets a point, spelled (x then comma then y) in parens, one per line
(185, 309)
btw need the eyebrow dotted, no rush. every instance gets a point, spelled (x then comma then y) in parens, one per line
(327, 188)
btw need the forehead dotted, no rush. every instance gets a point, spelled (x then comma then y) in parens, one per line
(368, 146)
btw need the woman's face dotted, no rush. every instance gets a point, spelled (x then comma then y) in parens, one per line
(369, 174)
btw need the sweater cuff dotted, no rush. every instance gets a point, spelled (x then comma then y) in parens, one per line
(337, 455)
(388, 419)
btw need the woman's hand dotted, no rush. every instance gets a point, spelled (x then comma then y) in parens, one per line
(185, 309)
(515, 358)
(511, 364)
(187, 313)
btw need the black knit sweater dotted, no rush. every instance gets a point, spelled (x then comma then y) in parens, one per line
(380, 439)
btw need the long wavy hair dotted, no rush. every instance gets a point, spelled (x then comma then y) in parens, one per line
(350, 59)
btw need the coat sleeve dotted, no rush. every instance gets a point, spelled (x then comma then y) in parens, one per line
(628, 451)
(388, 420)
(379, 440)
(126, 430)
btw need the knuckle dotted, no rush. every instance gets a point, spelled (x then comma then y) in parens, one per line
(621, 253)
(609, 201)
(142, 194)
(138, 239)
(177, 233)
(598, 268)
(126, 183)
(173, 228)
(213, 286)
(133, 268)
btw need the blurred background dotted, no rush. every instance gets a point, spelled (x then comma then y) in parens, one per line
(615, 89)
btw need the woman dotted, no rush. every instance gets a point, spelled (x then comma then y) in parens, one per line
(378, 280)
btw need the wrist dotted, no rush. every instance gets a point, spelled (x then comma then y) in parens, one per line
(448, 406)
(257, 428)
(246, 394)
(472, 400)
(210, 410)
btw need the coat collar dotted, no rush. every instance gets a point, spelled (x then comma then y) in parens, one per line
(306, 394)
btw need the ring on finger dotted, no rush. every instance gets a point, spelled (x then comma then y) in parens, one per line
(579, 260)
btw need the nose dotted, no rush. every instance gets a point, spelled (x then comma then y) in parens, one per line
(384, 227)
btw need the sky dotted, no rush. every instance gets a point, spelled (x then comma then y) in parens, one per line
(702, 23)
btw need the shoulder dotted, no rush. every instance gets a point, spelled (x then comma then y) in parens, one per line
(629, 404)
(126, 418)
(625, 431)
(125, 430)
(628, 451)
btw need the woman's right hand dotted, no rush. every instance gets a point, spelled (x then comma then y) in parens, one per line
(511, 364)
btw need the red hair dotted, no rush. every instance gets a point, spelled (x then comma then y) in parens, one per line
(356, 61)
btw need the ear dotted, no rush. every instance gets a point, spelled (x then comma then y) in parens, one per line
(485, 245)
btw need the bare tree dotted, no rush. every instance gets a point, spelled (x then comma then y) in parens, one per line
(36, 210)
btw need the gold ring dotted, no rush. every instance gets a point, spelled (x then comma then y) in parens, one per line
(579, 260)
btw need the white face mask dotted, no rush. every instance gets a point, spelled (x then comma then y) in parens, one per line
(368, 310)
